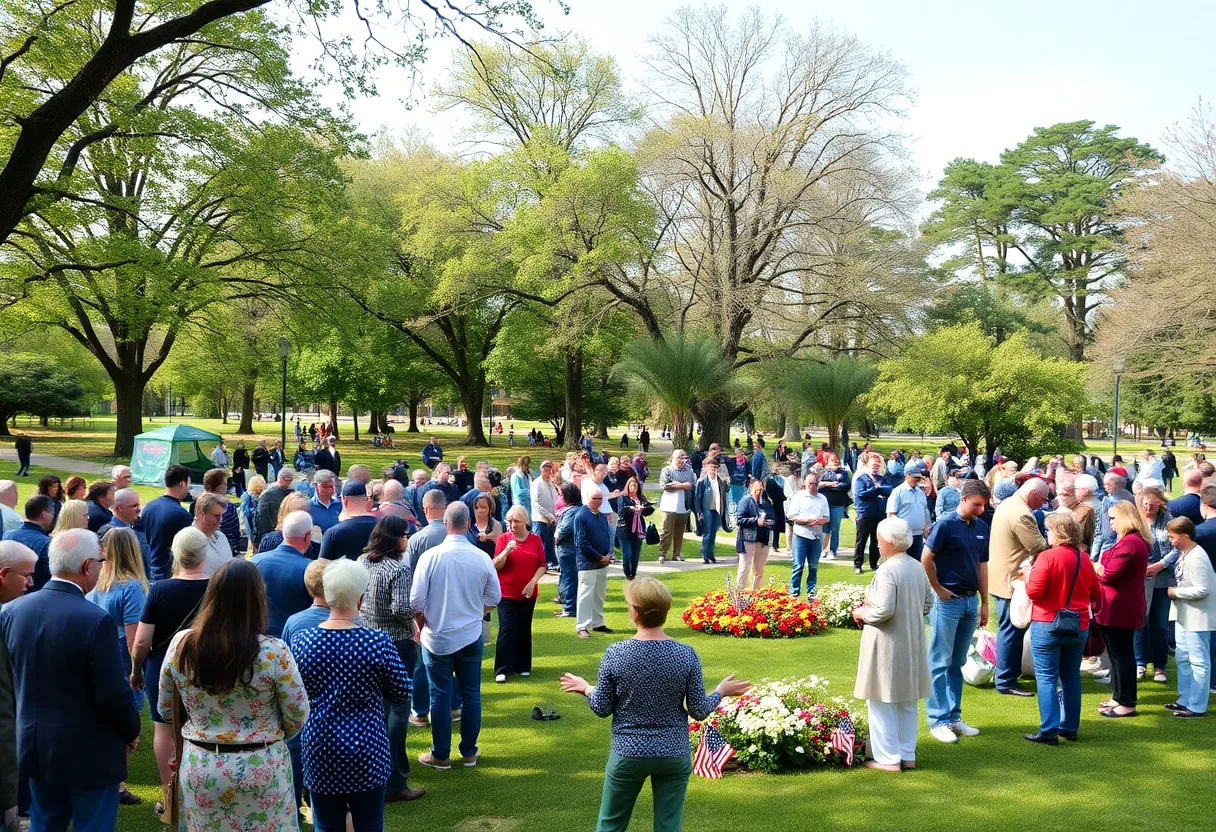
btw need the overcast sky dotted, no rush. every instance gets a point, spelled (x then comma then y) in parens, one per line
(986, 72)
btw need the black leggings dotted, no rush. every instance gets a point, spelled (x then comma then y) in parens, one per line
(867, 529)
(1120, 646)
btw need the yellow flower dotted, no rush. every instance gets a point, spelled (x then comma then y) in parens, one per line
(761, 627)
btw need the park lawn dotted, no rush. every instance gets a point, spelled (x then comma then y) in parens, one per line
(1139, 774)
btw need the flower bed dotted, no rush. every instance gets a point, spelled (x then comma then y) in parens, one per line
(837, 602)
(788, 725)
(766, 613)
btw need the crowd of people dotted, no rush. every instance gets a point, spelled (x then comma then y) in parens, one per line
(310, 624)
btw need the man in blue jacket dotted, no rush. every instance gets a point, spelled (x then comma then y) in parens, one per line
(759, 465)
(870, 492)
(282, 571)
(432, 454)
(35, 533)
(593, 548)
(76, 715)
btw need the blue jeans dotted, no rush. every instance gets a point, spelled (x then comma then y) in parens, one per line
(567, 583)
(1151, 642)
(1057, 660)
(397, 717)
(545, 532)
(296, 750)
(366, 811)
(953, 624)
(918, 546)
(806, 556)
(465, 663)
(24, 467)
(709, 535)
(1008, 647)
(631, 554)
(737, 493)
(1194, 658)
(836, 515)
(89, 810)
(422, 689)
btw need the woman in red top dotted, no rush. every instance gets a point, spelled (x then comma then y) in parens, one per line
(1121, 572)
(1062, 578)
(519, 557)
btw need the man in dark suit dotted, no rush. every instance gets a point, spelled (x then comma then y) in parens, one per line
(17, 564)
(76, 716)
(328, 458)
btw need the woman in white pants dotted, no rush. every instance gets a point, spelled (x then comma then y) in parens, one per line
(1194, 616)
(753, 528)
(893, 668)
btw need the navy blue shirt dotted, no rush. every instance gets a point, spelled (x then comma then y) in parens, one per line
(870, 496)
(958, 549)
(324, 517)
(1205, 536)
(1186, 506)
(163, 518)
(591, 539)
(35, 537)
(282, 571)
(348, 539)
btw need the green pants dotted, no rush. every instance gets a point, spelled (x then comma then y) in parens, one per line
(623, 779)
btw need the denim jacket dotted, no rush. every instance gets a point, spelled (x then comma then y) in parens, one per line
(563, 533)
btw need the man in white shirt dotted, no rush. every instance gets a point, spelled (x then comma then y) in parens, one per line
(453, 586)
(809, 512)
(208, 512)
(544, 510)
(11, 520)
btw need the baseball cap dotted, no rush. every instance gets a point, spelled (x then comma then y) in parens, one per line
(354, 488)
(916, 469)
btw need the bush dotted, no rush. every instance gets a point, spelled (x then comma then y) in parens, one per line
(786, 725)
(837, 602)
(765, 613)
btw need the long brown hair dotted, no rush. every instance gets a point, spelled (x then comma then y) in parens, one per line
(219, 651)
(385, 541)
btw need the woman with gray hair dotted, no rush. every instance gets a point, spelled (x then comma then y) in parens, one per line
(893, 669)
(170, 608)
(349, 672)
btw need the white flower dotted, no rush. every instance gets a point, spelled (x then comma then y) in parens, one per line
(751, 749)
(800, 749)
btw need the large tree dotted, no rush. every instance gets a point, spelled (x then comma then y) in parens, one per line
(775, 163)
(40, 387)
(94, 43)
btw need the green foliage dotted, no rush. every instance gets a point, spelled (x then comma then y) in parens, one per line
(37, 385)
(674, 373)
(954, 380)
(830, 391)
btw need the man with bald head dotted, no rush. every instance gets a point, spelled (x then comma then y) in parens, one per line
(1188, 504)
(10, 518)
(1015, 537)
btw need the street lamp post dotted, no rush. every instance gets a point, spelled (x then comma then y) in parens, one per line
(284, 349)
(1119, 366)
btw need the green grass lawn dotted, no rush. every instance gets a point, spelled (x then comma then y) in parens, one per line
(1138, 774)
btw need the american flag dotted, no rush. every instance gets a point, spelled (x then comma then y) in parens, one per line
(712, 754)
(842, 739)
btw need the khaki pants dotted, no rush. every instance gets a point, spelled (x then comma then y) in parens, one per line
(752, 560)
(673, 532)
(592, 591)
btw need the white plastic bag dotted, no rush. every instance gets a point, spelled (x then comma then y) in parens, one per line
(978, 671)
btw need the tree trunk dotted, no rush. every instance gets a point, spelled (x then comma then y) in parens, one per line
(413, 428)
(223, 410)
(247, 405)
(574, 397)
(354, 420)
(716, 416)
(333, 418)
(835, 431)
(601, 429)
(128, 400)
(44, 421)
(373, 423)
(4, 420)
(473, 400)
(791, 432)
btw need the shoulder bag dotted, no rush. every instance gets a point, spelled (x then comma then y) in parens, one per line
(1067, 621)
(173, 787)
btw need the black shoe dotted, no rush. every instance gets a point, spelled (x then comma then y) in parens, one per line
(1014, 692)
(125, 798)
(1174, 706)
(1041, 739)
(1185, 714)
(1068, 736)
(602, 629)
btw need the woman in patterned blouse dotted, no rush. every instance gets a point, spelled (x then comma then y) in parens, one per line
(242, 697)
(350, 672)
(644, 683)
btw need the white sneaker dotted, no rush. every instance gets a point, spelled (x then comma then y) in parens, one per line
(1103, 679)
(1091, 665)
(524, 673)
(963, 729)
(943, 733)
(500, 678)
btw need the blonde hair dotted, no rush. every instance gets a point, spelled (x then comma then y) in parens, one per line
(124, 561)
(256, 485)
(517, 511)
(1065, 531)
(651, 599)
(73, 515)
(206, 501)
(189, 549)
(313, 575)
(1128, 519)
(285, 508)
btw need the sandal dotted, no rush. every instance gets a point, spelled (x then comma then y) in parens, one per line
(541, 716)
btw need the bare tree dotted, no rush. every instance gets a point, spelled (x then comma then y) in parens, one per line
(777, 157)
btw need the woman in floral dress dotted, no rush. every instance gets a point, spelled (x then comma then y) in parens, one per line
(243, 697)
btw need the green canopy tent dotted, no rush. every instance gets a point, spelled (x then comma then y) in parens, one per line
(156, 450)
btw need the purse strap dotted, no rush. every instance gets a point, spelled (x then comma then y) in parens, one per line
(1075, 574)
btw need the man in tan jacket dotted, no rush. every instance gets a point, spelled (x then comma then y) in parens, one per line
(1015, 536)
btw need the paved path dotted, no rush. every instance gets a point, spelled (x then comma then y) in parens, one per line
(59, 463)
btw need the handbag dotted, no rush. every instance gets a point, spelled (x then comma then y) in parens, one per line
(172, 802)
(652, 535)
(1068, 622)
